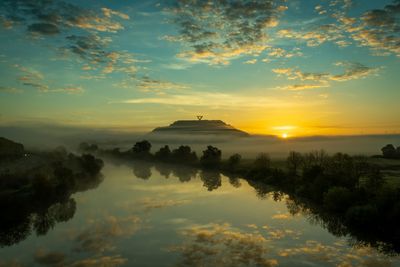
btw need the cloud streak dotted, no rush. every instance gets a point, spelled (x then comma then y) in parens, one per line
(215, 100)
(352, 71)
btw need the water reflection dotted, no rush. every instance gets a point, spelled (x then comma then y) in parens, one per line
(39, 211)
(385, 241)
(165, 220)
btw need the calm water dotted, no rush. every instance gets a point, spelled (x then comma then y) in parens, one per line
(145, 216)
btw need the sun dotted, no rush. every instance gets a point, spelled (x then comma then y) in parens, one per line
(285, 135)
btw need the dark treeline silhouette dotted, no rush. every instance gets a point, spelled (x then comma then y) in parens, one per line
(346, 194)
(390, 152)
(36, 189)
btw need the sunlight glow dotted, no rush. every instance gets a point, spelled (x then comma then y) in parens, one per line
(285, 135)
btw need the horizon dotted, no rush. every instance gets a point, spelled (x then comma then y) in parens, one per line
(287, 69)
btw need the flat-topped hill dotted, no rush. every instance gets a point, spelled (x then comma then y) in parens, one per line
(200, 127)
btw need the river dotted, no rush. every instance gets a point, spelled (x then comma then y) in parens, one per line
(141, 215)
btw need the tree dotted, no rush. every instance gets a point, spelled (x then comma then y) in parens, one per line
(184, 154)
(211, 157)
(262, 162)
(163, 154)
(141, 149)
(293, 161)
(389, 151)
(375, 179)
(211, 179)
(234, 161)
(90, 164)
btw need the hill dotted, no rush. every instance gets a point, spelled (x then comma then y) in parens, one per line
(200, 127)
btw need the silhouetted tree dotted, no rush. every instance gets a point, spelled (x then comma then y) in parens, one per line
(374, 179)
(91, 164)
(338, 199)
(163, 154)
(141, 149)
(141, 169)
(184, 154)
(10, 149)
(234, 161)
(262, 162)
(294, 161)
(184, 173)
(211, 179)
(389, 151)
(211, 157)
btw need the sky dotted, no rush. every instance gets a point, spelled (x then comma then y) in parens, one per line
(287, 68)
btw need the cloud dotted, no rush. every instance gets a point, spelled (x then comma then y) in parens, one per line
(215, 32)
(44, 28)
(100, 261)
(58, 259)
(377, 29)
(10, 90)
(215, 100)
(222, 245)
(99, 236)
(12, 263)
(150, 204)
(380, 29)
(282, 53)
(282, 216)
(352, 71)
(53, 17)
(49, 258)
(251, 61)
(79, 26)
(69, 90)
(148, 84)
(109, 12)
(315, 36)
(34, 78)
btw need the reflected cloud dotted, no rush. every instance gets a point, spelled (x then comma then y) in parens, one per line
(49, 258)
(149, 204)
(99, 236)
(282, 216)
(112, 261)
(222, 245)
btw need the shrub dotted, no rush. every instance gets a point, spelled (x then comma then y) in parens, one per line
(211, 157)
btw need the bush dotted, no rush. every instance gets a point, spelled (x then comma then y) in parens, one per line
(294, 161)
(211, 157)
(163, 154)
(184, 154)
(389, 151)
(234, 161)
(338, 199)
(141, 148)
(262, 162)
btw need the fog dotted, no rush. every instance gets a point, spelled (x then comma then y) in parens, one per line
(50, 136)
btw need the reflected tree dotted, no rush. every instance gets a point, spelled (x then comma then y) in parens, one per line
(211, 179)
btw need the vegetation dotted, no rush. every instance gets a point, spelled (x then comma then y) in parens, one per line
(347, 194)
(10, 150)
(36, 189)
(390, 152)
